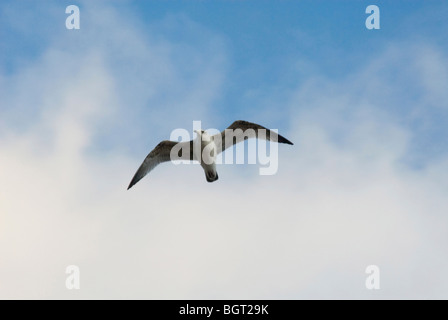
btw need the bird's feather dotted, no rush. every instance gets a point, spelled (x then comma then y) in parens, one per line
(242, 130)
(162, 153)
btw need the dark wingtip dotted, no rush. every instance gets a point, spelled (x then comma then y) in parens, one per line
(131, 185)
(284, 140)
(134, 180)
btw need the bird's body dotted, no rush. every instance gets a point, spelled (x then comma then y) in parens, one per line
(206, 155)
(205, 148)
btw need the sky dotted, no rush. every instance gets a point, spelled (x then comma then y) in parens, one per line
(364, 184)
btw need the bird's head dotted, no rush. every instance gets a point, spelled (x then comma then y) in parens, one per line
(202, 135)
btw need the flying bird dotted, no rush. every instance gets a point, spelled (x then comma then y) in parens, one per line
(237, 132)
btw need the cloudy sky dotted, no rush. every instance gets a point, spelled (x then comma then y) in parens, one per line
(365, 183)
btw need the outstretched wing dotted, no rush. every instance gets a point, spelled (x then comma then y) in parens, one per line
(242, 130)
(162, 153)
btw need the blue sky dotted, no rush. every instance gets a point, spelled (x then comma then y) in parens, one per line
(268, 48)
(365, 182)
(268, 32)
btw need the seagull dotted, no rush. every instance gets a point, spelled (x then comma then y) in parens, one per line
(237, 132)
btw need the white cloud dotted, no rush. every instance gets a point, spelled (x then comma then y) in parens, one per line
(342, 198)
